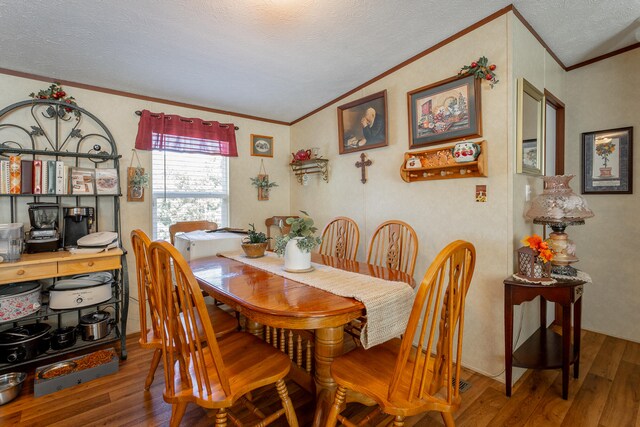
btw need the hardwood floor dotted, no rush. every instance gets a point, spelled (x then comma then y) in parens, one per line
(607, 393)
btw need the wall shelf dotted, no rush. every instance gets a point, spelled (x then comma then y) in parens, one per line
(439, 163)
(310, 167)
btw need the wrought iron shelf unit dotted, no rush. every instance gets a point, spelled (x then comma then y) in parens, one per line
(310, 167)
(54, 130)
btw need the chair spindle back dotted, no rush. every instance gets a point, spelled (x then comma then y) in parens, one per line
(340, 238)
(394, 245)
(146, 291)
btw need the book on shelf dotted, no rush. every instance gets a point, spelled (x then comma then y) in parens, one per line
(4, 177)
(59, 177)
(15, 178)
(36, 177)
(26, 176)
(82, 180)
(107, 181)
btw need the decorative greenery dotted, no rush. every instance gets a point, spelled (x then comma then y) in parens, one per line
(300, 227)
(139, 178)
(481, 70)
(535, 242)
(56, 93)
(255, 237)
(262, 181)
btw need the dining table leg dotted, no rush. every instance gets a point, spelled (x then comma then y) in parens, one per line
(255, 328)
(328, 345)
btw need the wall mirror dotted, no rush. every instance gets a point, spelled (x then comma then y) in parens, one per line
(530, 129)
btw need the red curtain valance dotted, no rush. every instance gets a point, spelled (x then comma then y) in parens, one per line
(159, 131)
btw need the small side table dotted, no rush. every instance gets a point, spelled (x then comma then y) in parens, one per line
(545, 349)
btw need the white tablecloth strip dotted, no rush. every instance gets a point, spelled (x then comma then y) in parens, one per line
(388, 303)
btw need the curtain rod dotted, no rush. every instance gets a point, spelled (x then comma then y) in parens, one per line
(139, 113)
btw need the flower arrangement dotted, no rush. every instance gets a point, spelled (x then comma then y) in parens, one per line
(481, 69)
(300, 227)
(535, 242)
(262, 181)
(56, 93)
(254, 236)
(139, 178)
(605, 149)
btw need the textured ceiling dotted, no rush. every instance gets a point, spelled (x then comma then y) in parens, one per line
(276, 59)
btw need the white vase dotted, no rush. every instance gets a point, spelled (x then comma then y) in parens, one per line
(294, 258)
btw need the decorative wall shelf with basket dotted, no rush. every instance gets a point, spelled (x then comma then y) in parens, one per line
(439, 163)
(47, 131)
(302, 168)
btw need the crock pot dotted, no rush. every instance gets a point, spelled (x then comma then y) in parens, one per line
(24, 342)
(95, 326)
(80, 291)
(18, 300)
(62, 338)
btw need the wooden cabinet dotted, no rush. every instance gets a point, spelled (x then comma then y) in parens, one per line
(439, 163)
(57, 132)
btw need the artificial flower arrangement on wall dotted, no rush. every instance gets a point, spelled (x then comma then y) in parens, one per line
(262, 183)
(57, 93)
(481, 69)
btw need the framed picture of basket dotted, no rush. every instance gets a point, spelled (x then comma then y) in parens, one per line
(447, 110)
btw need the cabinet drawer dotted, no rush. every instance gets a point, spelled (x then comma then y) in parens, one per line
(28, 272)
(88, 265)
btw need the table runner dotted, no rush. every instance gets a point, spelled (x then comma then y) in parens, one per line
(388, 303)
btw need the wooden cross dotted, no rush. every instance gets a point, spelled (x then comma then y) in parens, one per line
(363, 164)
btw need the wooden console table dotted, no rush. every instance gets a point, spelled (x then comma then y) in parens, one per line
(545, 349)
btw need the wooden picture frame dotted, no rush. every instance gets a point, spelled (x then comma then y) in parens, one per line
(448, 110)
(261, 145)
(607, 161)
(363, 124)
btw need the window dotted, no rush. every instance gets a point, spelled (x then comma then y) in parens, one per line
(188, 187)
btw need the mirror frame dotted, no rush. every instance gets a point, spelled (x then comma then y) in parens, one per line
(527, 89)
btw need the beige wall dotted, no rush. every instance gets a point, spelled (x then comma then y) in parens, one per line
(601, 96)
(440, 211)
(117, 113)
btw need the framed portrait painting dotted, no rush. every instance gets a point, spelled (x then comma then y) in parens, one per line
(607, 161)
(261, 145)
(448, 110)
(362, 124)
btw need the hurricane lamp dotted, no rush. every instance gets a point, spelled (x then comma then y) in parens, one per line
(559, 207)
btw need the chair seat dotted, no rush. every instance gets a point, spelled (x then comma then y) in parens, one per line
(370, 372)
(238, 350)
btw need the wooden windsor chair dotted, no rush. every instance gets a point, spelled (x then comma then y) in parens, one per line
(340, 238)
(280, 222)
(186, 226)
(393, 245)
(147, 298)
(202, 370)
(405, 380)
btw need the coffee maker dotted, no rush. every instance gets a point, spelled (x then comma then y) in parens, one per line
(43, 236)
(77, 223)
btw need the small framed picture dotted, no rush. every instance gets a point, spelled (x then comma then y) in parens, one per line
(107, 181)
(362, 124)
(82, 181)
(261, 145)
(607, 161)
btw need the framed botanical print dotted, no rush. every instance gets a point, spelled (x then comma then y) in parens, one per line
(261, 145)
(607, 161)
(362, 124)
(448, 110)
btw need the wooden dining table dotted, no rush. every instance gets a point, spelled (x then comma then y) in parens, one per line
(268, 299)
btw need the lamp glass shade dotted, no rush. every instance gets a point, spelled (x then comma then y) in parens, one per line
(558, 203)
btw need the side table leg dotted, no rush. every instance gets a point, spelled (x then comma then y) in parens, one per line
(577, 332)
(566, 348)
(508, 338)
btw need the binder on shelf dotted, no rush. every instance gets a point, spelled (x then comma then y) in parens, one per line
(51, 177)
(60, 177)
(15, 178)
(36, 177)
(26, 176)
(4, 177)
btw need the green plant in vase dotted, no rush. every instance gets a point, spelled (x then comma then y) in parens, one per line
(296, 246)
(255, 243)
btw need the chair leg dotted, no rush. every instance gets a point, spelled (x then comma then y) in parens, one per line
(448, 419)
(289, 412)
(221, 418)
(398, 421)
(336, 408)
(177, 412)
(157, 355)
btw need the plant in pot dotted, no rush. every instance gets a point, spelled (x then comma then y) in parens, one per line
(296, 246)
(255, 243)
(138, 180)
